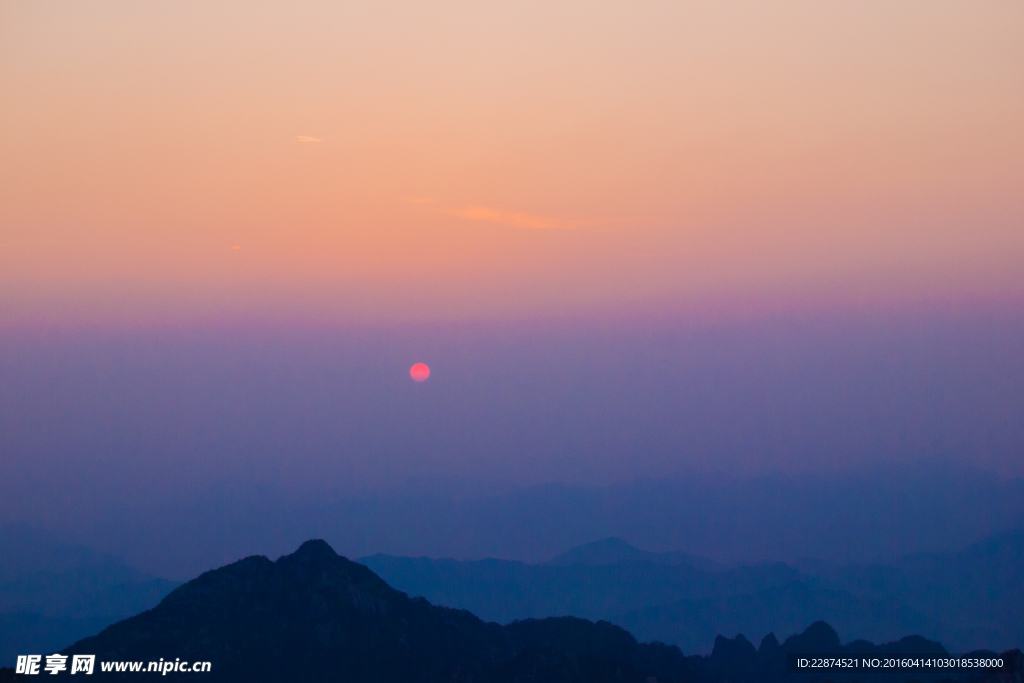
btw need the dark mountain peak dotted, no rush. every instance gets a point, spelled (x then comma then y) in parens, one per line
(315, 616)
(818, 637)
(768, 644)
(730, 657)
(316, 549)
(316, 566)
(259, 620)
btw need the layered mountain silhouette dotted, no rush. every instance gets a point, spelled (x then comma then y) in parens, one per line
(315, 616)
(958, 598)
(54, 593)
(616, 551)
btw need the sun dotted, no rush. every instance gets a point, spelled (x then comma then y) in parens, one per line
(419, 372)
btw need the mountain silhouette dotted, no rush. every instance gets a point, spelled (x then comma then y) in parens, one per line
(956, 598)
(54, 593)
(315, 616)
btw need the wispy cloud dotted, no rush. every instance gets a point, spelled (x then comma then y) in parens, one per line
(306, 138)
(524, 221)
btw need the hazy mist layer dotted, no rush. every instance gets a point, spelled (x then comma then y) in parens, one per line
(238, 437)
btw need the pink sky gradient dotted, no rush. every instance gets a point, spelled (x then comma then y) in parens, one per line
(451, 160)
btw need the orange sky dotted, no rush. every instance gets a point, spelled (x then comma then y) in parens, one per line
(404, 160)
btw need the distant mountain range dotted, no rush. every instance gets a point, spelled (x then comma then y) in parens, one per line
(616, 551)
(53, 593)
(961, 599)
(873, 514)
(314, 616)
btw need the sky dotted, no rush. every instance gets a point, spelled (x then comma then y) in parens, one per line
(352, 163)
(835, 436)
(91, 416)
(631, 240)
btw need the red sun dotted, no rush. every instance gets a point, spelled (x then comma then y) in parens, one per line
(419, 372)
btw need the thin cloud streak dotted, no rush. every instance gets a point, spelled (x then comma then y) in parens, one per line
(523, 221)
